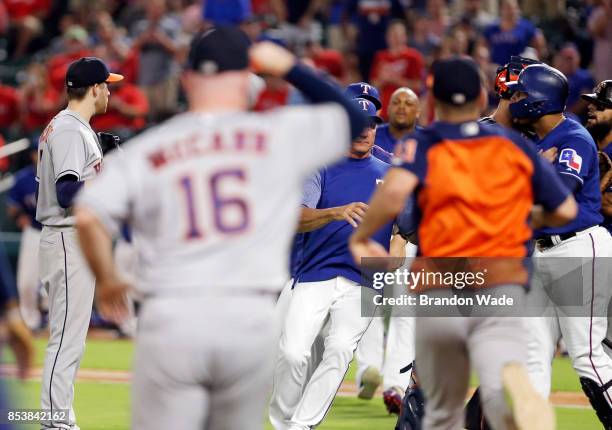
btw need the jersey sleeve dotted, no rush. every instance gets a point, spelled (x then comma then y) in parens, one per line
(318, 134)
(110, 195)
(68, 154)
(575, 157)
(312, 191)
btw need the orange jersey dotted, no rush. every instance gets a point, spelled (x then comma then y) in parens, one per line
(477, 185)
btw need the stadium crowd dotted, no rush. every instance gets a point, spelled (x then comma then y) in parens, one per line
(390, 43)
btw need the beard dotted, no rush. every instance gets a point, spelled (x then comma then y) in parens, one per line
(599, 130)
(404, 125)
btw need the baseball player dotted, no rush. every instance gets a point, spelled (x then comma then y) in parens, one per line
(464, 221)
(380, 363)
(403, 111)
(599, 125)
(201, 192)
(69, 156)
(21, 206)
(327, 284)
(507, 73)
(539, 99)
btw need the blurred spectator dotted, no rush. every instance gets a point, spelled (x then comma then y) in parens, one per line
(544, 10)
(511, 34)
(600, 27)
(340, 32)
(156, 42)
(39, 100)
(275, 94)
(75, 46)
(458, 41)
(224, 12)
(482, 56)
(328, 60)
(476, 16)
(580, 80)
(111, 42)
(439, 18)
(58, 43)
(397, 66)
(372, 18)
(26, 18)
(9, 110)
(4, 20)
(422, 39)
(126, 113)
(297, 23)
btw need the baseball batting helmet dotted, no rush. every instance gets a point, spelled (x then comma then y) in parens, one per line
(363, 90)
(602, 95)
(509, 73)
(546, 90)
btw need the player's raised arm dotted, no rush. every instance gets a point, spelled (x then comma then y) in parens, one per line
(269, 58)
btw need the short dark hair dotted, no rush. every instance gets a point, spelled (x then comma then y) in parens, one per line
(77, 93)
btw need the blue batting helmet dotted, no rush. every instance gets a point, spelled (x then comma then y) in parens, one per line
(546, 89)
(363, 90)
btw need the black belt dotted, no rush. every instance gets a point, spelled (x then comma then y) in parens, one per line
(549, 242)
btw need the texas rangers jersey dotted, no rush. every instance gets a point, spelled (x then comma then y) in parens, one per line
(576, 159)
(213, 199)
(68, 146)
(325, 253)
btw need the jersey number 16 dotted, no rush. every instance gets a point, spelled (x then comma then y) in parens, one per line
(230, 214)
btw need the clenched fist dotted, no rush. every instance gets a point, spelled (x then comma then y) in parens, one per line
(271, 59)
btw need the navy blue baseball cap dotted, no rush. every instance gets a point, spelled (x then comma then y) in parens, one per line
(88, 71)
(363, 90)
(219, 49)
(369, 109)
(456, 80)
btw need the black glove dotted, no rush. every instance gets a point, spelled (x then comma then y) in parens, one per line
(108, 142)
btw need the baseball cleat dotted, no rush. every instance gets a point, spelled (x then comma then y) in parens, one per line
(393, 399)
(370, 380)
(530, 410)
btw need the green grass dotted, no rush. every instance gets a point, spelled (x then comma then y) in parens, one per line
(98, 406)
(101, 406)
(99, 354)
(106, 405)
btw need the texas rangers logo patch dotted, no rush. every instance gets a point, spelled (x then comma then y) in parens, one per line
(571, 159)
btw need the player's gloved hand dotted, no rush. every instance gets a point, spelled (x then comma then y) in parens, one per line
(271, 59)
(19, 340)
(550, 154)
(111, 299)
(108, 141)
(351, 213)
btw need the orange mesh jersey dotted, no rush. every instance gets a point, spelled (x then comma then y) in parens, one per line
(477, 185)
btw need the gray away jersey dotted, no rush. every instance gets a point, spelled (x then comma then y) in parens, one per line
(213, 200)
(68, 146)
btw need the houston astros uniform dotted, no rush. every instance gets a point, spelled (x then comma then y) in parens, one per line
(68, 146)
(194, 190)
